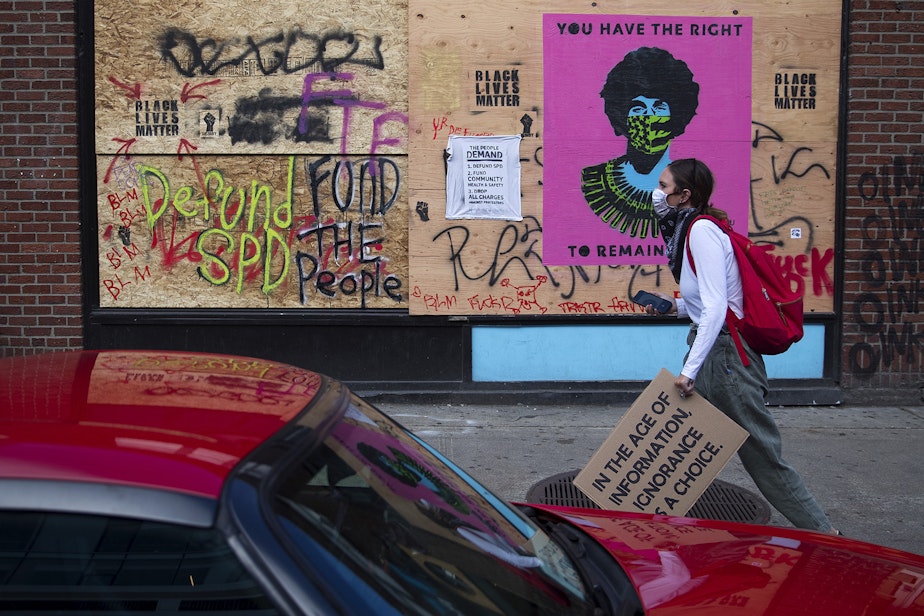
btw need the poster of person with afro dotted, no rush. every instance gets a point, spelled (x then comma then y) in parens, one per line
(624, 95)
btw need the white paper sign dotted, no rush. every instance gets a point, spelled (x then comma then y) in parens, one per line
(483, 178)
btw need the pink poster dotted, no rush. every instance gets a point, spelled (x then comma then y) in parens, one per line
(624, 96)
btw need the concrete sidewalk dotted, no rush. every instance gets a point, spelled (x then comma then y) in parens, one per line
(864, 464)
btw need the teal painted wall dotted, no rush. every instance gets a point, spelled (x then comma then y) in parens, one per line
(611, 353)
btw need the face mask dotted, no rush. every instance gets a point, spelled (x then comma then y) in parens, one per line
(659, 203)
(647, 135)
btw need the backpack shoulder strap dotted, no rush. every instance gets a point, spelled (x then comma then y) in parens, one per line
(686, 242)
(730, 317)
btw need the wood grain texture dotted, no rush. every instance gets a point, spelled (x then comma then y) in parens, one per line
(204, 104)
(482, 267)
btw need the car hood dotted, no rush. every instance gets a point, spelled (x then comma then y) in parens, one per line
(689, 566)
(177, 421)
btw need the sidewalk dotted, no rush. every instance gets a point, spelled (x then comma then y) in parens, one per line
(864, 464)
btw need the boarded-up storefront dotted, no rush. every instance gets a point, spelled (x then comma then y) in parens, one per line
(284, 170)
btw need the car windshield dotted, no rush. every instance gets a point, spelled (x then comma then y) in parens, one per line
(395, 517)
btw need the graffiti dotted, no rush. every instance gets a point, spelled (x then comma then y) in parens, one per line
(423, 210)
(814, 267)
(208, 227)
(256, 234)
(442, 127)
(581, 307)
(286, 52)
(131, 92)
(187, 94)
(527, 121)
(622, 306)
(232, 244)
(525, 296)
(125, 235)
(524, 301)
(157, 118)
(497, 88)
(263, 118)
(116, 285)
(435, 302)
(121, 165)
(370, 187)
(902, 178)
(886, 314)
(330, 283)
(797, 165)
(511, 252)
(515, 256)
(351, 243)
(158, 198)
(337, 257)
(794, 90)
(117, 257)
(514, 248)
(791, 166)
(367, 188)
(175, 246)
(122, 206)
(125, 173)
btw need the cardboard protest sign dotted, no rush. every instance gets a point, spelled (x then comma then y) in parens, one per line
(662, 454)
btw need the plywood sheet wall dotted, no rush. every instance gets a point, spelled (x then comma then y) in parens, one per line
(481, 267)
(253, 232)
(252, 155)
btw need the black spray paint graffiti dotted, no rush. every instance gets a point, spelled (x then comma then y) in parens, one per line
(344, 258)
(293, 51)
(264, 118)
(515, 258)
(799, 163)
(515, 255)
(784, 186)
(891, 266)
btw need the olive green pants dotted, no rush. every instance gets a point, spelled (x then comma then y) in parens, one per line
(739, 391)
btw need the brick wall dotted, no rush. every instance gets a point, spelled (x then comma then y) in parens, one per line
(883, 295)
(40, 293)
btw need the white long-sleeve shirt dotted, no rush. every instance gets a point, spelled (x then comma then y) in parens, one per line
(707, 294)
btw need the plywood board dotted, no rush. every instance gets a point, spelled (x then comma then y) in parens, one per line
(496, 267)
(252, 158)
(226, 77)
(253, 232)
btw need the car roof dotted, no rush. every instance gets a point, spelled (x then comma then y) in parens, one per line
(173, 421)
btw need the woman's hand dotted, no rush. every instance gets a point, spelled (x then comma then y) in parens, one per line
(649, 309)
(685, 385)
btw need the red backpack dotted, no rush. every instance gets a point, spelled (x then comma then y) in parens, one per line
(773, 312)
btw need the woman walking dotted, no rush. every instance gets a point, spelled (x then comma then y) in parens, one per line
(712, 366)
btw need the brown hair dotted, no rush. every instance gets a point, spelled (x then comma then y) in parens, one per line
(693, 175)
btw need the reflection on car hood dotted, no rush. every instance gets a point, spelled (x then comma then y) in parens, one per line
(689, 566)
(172, 420)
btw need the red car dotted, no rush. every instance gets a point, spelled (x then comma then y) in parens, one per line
(135, 482)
